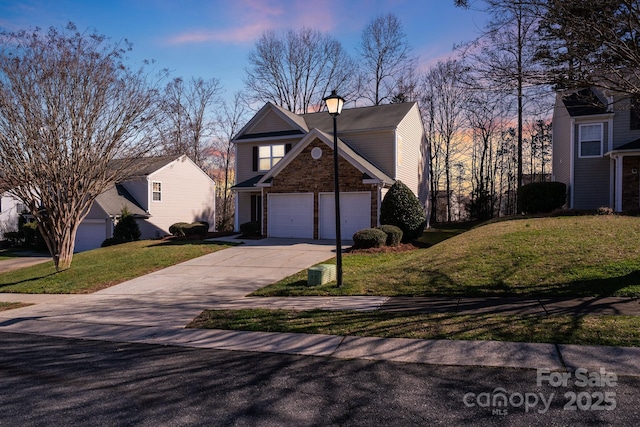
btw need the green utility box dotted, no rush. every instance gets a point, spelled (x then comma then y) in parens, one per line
(321, 274)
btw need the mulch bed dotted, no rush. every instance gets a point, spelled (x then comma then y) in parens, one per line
(402, 247)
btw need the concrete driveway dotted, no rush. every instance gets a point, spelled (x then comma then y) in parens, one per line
(172, 297)
(10, 264)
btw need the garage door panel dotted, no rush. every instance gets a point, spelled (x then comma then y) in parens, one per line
(290, 215)
(90, 235)
(355, 214)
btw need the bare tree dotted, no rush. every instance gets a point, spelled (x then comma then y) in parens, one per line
(506, 53)
(386, 59)
(68, 107)
(231, 118)
(296, 71)
(186, 124)
(444, 100)
(593, 43)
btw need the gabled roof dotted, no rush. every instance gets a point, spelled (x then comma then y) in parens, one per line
(297, 123)
(148, 165)
(584, 103)
(385, 116)
(367, 168)
(116, 198)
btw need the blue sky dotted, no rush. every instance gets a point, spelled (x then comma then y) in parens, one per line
(198, 38)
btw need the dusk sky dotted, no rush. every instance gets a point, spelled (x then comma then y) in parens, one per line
(199, 38)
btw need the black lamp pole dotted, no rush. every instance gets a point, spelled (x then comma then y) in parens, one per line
(334, 105)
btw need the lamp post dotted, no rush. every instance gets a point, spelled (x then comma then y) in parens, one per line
(334, 106)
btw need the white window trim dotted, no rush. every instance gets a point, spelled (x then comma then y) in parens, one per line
(153, 191)
(271, 157)
(580, 155)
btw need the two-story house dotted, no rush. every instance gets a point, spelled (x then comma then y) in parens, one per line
(596, 149)
(159, 192)
(284, 168)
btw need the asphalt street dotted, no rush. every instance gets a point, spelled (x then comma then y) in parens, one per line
(51, 381)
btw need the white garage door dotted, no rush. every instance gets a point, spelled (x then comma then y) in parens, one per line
(290, 215)
(90, 235)
(355, 214)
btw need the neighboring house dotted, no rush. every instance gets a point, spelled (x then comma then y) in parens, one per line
(159, 192)
(596, 149)
(284, 168)
(10, 209)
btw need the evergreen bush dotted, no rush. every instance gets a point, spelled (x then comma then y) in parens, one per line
(541, 197)
(400, 207)
(394, 234)
(369, 238)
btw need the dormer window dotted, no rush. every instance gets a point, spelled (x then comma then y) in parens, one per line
(269, 156)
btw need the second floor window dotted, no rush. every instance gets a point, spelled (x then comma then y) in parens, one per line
(590, 140)
(634, 112)
(156, 191)
(269, 155)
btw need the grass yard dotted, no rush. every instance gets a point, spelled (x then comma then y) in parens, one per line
(104, 267)
(11, 305)
(584, 330)
(561, 256)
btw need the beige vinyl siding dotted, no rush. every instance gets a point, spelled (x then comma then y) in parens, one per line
(561, 159)
(377, 147)
(139, 189)
(409, 138)
(271, 122)
(592, 176)
(188, 195)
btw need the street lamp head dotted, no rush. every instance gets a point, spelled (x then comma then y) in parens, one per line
(334, 103)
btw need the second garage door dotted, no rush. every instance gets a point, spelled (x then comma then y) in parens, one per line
(290, 215)
(355, 214)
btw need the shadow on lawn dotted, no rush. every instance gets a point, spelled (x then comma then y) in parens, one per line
(30, 279)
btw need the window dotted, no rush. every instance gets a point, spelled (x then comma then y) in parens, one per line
(269, 155)
(156, 191)
(590, 140)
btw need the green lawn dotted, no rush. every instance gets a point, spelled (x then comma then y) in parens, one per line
(562, 256)
(104, 267)
(584, 330)
(11, 305)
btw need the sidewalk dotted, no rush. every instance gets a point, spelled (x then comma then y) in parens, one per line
(154, 309)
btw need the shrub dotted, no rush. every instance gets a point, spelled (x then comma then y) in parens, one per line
(178, 229)
(605, 210)
(197, 229)
(250, 228)
(369, 238)
(184, 229)
(32, 236)
(126, 230)
(394, 234)
(402, 208)
(110, 242)
(541, 197)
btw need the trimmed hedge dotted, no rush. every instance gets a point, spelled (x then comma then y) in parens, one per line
(250, 228)
(183, 229)
(369, 238)
(541, 197)
(394, 234)
(400, 207)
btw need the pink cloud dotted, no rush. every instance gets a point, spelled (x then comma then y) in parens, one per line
(253, 17)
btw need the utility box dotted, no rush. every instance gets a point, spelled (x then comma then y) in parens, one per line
(321, 274)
